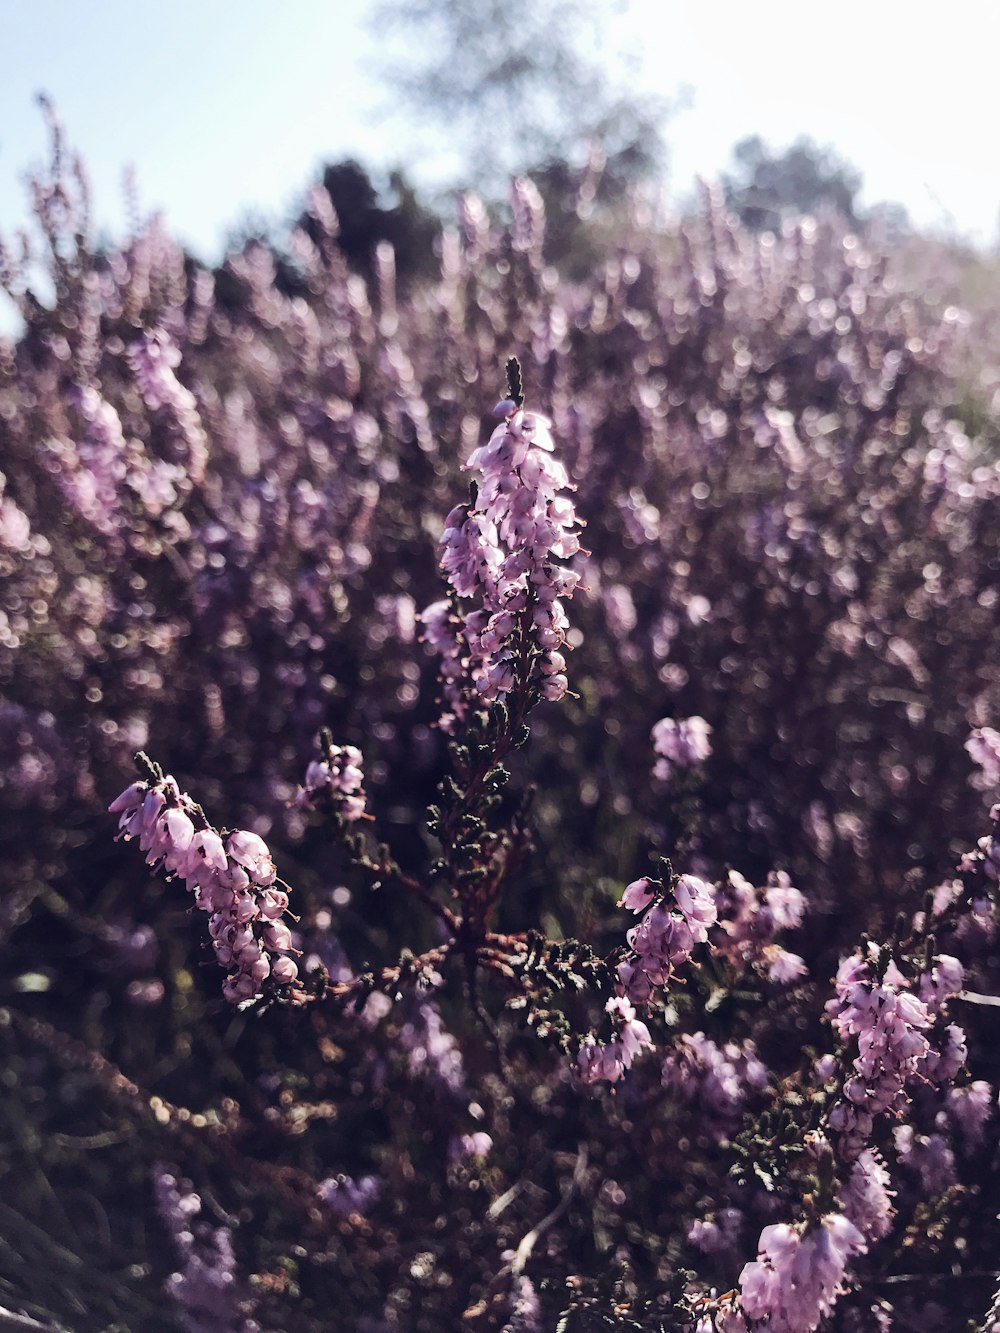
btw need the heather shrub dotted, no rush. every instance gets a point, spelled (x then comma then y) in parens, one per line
(673, 1010)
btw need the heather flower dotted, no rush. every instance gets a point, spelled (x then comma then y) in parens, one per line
(749, 918)
(929, 1156)
(15, 527)
(718, 1233)
(232, 876)
(983, 746)
(431, 1050)
(610, 1061)
(637, 896)
(206, 1287)
(798, 1275)
(154, 358)
(525, 1308)
(938, 985)
(664, 938)
(714, 1079)
(619, 611)
(946, 1056)
(336, 781)
(969, 1108)
(502, 549)
(680, 743)
(888, 1022)
(477, 1144)
(529, 215)
(783, 967)
(343, 1195)
(865, 1196)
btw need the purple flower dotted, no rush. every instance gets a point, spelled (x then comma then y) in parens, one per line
(929, 1156)
(637, 896)
(797, 1276)
(232, 878)
(866, 1198)
(888, 1023)
(206, 1286)
(969, 1109)
(344, 1196)
(477, 1144)
(609, 1062)
(714, 1079)
(663, 939)
(336, 781)
(680, 743)
(983, 746)
(502, 552)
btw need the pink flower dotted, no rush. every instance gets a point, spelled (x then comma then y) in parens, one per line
(610, 1062)
(866, 1198)
(502, 552)
(680, 743)
(637, 896)
(797, 1276)
(663, 939)
(335, 782)
(232, 880)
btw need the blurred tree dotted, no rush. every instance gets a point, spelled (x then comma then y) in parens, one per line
(768, 185)
(518, 83)
(583, 204)
(365, 215)
(889, 222)
(365, 220)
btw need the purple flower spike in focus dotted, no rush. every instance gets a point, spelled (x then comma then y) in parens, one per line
(663, 939)
(797, 1277)
(503, 550)
(232, 876)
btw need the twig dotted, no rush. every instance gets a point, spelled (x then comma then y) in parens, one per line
(970, 997)
(528, 1243)
(22, 1323)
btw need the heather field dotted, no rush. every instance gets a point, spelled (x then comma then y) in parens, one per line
(558, 885)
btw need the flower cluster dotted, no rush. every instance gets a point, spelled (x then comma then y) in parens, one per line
(749, 920)
(717, 1233)
(983, 747)
(714, 1079)
(798, 1274)
(874, 1006)
(664, 938)
(680, 743)
(609, 1062)
(154, 359)
(206, 1286)
(343, 1195)
(502, 549)
(231, 875)
(929, 1157)
(969, 1108)
(986, 857)
(865, 1196)
(335, 781)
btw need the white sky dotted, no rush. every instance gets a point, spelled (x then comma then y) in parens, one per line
(226, 107)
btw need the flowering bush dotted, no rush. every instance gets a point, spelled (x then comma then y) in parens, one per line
(623, 959)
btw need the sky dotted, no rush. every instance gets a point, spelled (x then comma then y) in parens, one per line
(226, 111)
